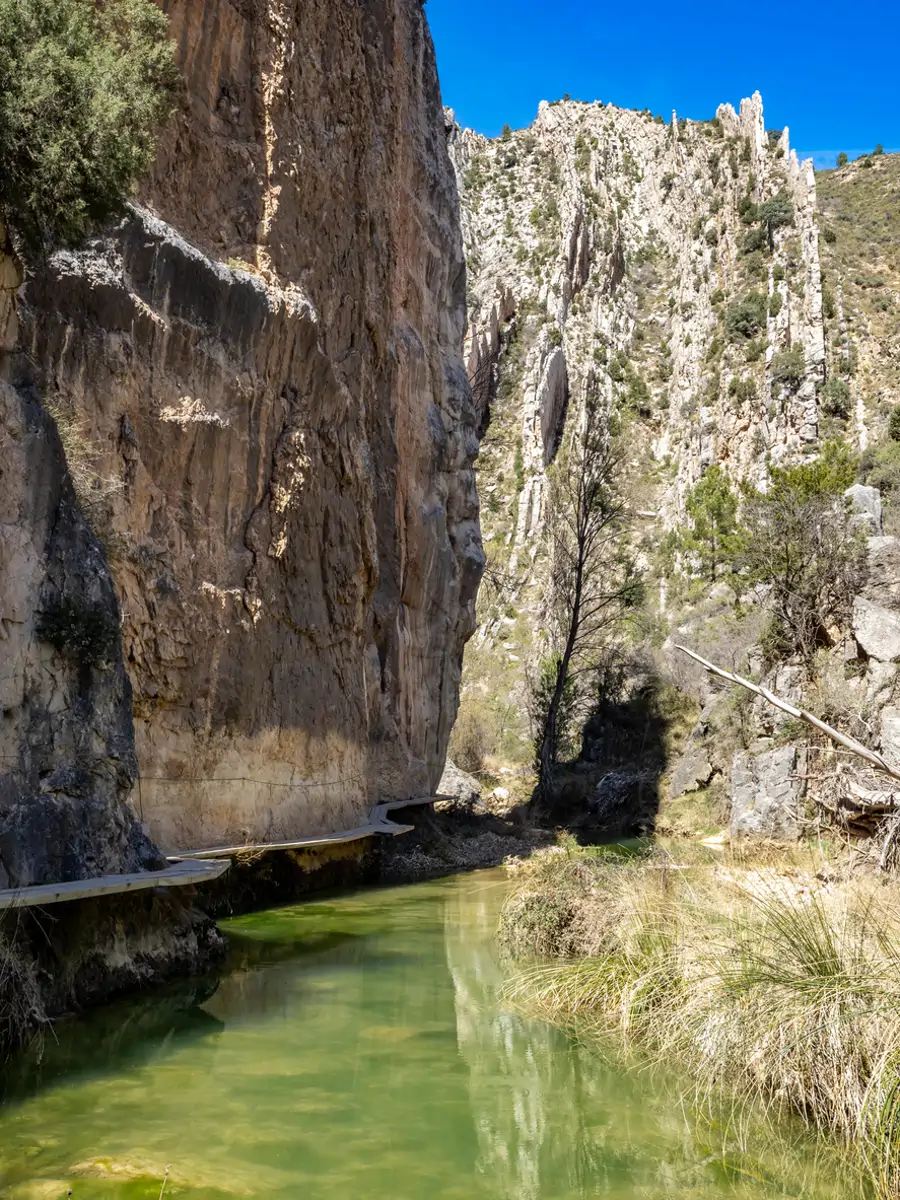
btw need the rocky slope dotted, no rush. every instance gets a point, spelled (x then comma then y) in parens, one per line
(613, 252)
(259, 386)
(672, 269)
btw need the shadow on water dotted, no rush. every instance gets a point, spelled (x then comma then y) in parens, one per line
(141, 1030)
(124, 1035)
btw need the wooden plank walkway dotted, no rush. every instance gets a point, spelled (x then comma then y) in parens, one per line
(200, 866)
(180, 874)
(378, 823)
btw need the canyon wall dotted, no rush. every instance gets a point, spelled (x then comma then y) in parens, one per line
(611, 254)
(258, 384)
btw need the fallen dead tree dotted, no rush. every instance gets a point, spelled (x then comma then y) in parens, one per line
(862, 810)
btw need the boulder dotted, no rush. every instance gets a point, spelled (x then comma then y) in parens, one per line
(866, 505)
(877, 629)
(883, 572)
(890, 736)
(693, 772)
(766, 794)
(465, 789)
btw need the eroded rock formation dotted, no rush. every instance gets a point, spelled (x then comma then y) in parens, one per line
(259, 383)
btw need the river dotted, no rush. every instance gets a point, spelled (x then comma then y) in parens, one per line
(355, 1048)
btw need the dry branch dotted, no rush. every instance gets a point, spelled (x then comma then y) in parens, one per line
(866, 810)
(800, 714)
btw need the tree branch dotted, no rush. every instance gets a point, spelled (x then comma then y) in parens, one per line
(800, 714)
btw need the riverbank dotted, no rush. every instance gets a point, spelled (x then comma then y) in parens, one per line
(771, 975)
(357, 1045)
(87, 953)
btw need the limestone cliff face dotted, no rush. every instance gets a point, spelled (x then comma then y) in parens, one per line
(602, 237)
(259, 381)
(673, 271)
(615, 254)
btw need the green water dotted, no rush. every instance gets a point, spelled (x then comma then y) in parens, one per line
(355, 1049)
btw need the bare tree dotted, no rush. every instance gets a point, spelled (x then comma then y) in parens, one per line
(592, 578)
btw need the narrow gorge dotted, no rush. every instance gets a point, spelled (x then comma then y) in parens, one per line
(335, 360)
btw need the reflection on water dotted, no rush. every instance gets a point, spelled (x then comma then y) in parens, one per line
(356, 1049)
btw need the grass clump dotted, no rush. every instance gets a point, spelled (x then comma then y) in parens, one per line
(778, 986)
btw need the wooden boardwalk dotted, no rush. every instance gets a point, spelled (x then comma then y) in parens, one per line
(180, 874)
(200, 866)
(378, 823)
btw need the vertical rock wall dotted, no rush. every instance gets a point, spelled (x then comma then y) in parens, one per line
(259, 381)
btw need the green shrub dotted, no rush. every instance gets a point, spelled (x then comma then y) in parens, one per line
(894, 424)
(836, 398)
(776, 212)
(83, 88)
(879, 149)
(775, 302)
(85, 633)
(880, 466)
(747, 210)
(743, 390)
(842, 159)
(789, 366)
(801, 543)
(712, 507)
(754, 239)
(746, 317)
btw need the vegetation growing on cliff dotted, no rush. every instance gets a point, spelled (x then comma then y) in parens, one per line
(83, 88)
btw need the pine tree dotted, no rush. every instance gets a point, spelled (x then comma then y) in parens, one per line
(83, 88)
(712, 508)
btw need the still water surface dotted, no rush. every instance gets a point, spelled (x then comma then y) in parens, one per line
(356, 1049)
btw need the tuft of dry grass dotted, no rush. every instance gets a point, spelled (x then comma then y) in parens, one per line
(92, 489)
(21, 1007)
(774, 982)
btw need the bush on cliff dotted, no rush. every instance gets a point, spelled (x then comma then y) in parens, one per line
(83, 88)
(799, 541)
(746, 317)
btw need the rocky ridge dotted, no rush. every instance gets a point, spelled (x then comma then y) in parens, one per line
(674, 270)
(613, 253)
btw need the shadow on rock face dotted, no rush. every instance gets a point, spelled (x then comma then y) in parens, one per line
(613, 788)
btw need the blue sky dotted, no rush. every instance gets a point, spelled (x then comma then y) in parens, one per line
(828, 69)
